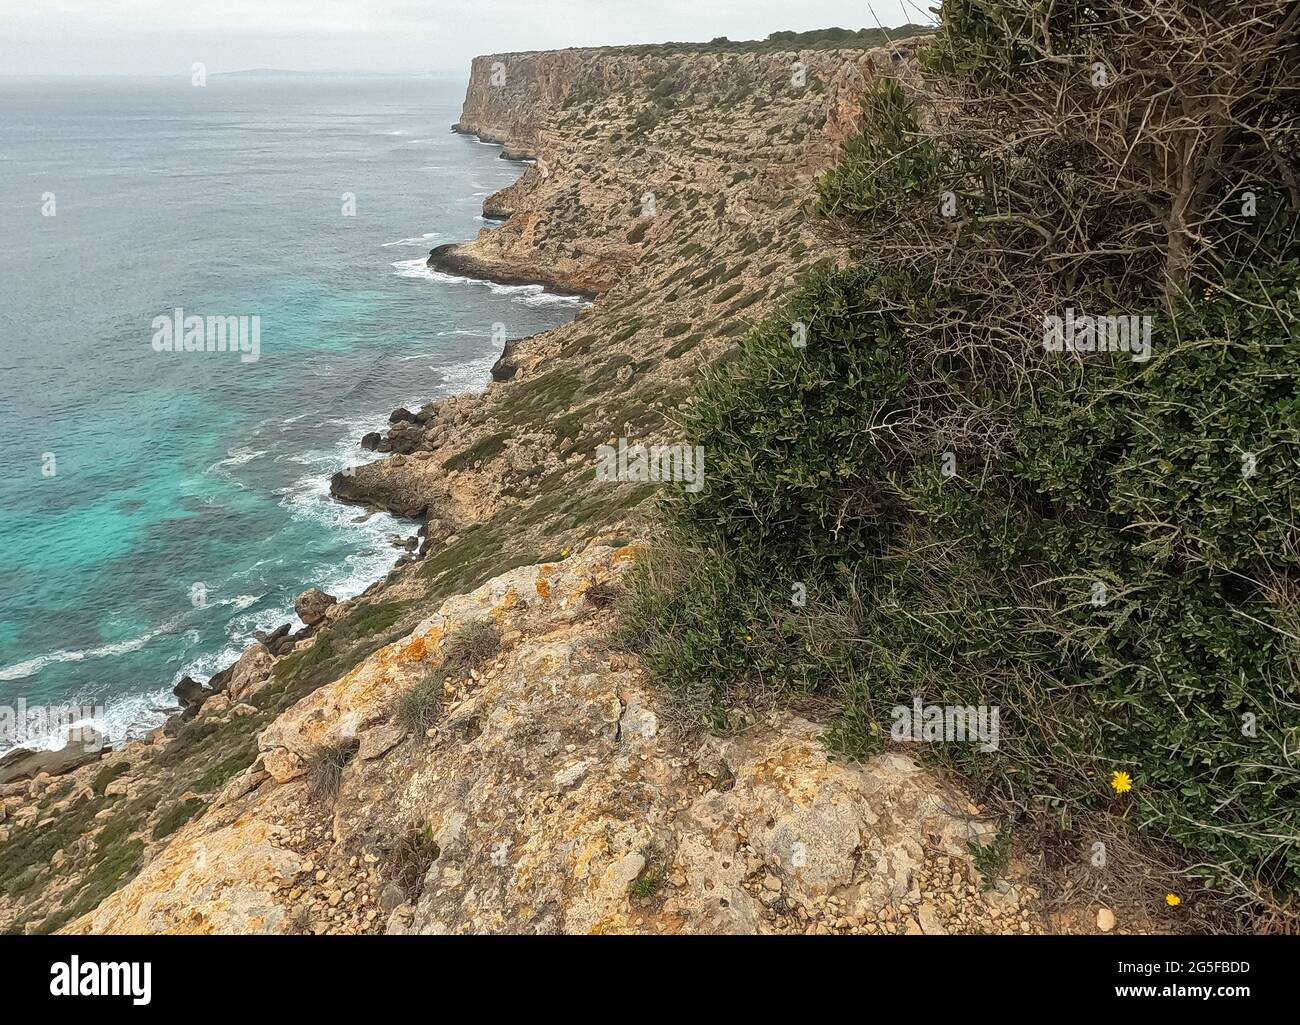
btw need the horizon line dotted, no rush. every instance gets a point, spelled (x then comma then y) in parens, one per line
(240, 71)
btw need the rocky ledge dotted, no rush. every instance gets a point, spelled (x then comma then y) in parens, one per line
(546, 795)
(454, 258)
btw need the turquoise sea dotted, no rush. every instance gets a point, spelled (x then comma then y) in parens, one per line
(157, 508)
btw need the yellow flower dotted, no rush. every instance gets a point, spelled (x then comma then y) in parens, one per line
(1173, 900)
(1121, 782)
(749, 637)
(564, 554)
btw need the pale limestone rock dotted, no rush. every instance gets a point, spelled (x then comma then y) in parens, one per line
(283, 765)
(250, 674)
(204, 881)
(547, 792)
(929, 919)
(640, 721)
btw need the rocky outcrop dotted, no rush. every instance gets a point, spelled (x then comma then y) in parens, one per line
(312, 605)
(459, 259)
(671, 188)
(191, 694)
(372, 485)
(609, 128)
(81, 746)
(552, 797)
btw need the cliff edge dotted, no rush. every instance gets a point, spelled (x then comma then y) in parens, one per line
(461, 748)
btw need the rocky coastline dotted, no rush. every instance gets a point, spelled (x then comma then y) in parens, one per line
(21, 764)
(452, 258)
(462, 749)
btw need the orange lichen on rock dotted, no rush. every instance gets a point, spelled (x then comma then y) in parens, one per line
(628, 553)
(416, 651)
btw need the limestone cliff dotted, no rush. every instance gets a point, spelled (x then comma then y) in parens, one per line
(670, 187)
(632, 149)
(543, 786)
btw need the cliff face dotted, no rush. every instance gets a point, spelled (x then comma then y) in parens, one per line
(546, 790)
(727, 138)
(669, 187)
(511, 96)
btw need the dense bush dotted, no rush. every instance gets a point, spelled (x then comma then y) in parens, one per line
(816, 39)
(980, 589)
(922, 502)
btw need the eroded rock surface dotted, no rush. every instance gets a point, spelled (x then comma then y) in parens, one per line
(550, 798)
(550, 795)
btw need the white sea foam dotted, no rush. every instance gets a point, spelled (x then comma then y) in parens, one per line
(125, 717)
(418, 240)
(374, 557)
(133, 715)
(22, 670)
(531, 295)
(209, 664)
(236, 457)
(469, 376)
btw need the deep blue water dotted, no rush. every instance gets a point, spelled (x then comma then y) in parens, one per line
(173, 470)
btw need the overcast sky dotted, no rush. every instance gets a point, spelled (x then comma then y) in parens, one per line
(162, 37)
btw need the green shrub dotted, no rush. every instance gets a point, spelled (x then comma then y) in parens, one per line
(878, 171)
(924, 503)
(646, 885)
(325, 768)
(418, 708)
(979, 589)
(176, 816)
(1199, 449)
